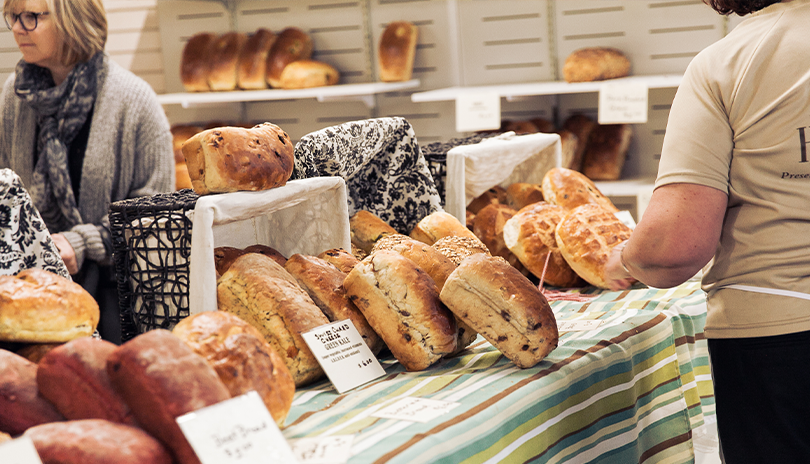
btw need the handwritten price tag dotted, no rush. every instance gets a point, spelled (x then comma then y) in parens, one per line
(623, 102)
(416, 409)
(578, 326)
(19, 451)
(323, 450)
(478, 111)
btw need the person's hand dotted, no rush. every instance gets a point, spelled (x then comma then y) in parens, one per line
(66, 252)
(616, 276)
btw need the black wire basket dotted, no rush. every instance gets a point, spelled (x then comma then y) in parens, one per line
(151, 239)
(435, 154)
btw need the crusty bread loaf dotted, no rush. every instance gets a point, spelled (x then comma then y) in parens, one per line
(343, 260)
(38, 306)
(305, 74)
(21, 405)
(586, 237)
(194, 63)
(251, 72)
(291, 44)
(501, 304)
(161, 379)
(519, 127)
(438, 225)
(569, 189)
(229, 159)
(74, 378)
(260, 291)
(496, 194)
(529, 234)
(520, 194)
(224, 256)
(607, 151)
(469, 219)
(241, 357)
(35, 351)
(544, 125)
(580, 125)
(324, 284)
(488, 227)
(401, 303)
(181, 133)
(595, 64)
(181, 176)
(569, 145)
(397, 51)
(224, 60)
(457, 248)
(366, 228)
(268, 251)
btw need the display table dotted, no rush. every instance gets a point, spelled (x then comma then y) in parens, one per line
(631, 389)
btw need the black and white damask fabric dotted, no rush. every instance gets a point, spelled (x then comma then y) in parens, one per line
(25, 242)
(382, 165)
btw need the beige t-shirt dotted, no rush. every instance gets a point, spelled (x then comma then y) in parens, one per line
(740, 123)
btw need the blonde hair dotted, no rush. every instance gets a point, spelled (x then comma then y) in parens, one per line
(81, 25)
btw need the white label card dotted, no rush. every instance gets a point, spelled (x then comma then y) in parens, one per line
(336, 449)
(416, 409)
(19, 451)
(478, 111)
(238, 430)
(579, 325)
(626, 218)
(623, 103)
(343, 355)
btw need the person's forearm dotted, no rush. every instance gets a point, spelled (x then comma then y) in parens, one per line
(651, 269)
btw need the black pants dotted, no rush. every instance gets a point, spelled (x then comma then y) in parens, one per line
(762, 394)
(100, 282)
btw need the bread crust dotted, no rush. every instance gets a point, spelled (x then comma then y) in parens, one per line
(397, 51)
(342, 259)
(520, 194)
(438, 225)
(224, 60)
(251, 69)
(194, 63)
(569, 189)
(580, 125)
(595, 64)
(366, 228)
(607, 151)
(291, 44)
(305, 74)
(457, 248)
(21, 404)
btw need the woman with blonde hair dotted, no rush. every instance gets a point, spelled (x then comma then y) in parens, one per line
(81, 132)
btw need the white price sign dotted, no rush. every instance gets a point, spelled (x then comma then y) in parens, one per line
(623, 103)
(478, 111)
(336, 449)
(416, 409)
(19, 451)
(581, 325)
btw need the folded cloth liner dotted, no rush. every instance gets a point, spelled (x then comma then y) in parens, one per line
(385, 171)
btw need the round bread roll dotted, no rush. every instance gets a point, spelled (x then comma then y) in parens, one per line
(586, 236)
(569, 189)
(438, 225)
(607, 151)
(343, 260)
(21, 405)
(529, 234)
(251, 70)
(38, 306)
(488, 227)
(194, 63)
(457, 248)
(397, 51)
(520, 194)
(366, 228)
(224, 60)
(305, 74)
(241, 357)
(291, 44)
(595, 64)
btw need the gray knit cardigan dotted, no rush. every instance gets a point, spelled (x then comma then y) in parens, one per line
(129, 152)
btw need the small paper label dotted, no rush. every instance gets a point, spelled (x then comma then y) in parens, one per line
(623, 103)
(19, 451)
(415, 409)
(478, 111)
(238, 430)
(579, 325)
(323, 450)
(343, 355)
(626, 218)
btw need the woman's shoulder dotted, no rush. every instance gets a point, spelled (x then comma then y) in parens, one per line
(120, 81)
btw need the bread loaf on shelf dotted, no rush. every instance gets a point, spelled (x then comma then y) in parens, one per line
(569, 189)
(397, 50)
(580, 125)
(366, 228)
(251, 73)
(224, 60)
(607, 151)
(194, 62)
(291, 44)
(21, 404)
(305, 74)
(595, 64)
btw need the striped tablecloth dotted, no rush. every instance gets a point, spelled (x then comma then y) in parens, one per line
(630, 390)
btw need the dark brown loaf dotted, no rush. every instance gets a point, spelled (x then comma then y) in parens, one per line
(21, 405)
(194, 62)
(397, 51)
(292, 44)
(569, 145)
(501, 304)
(343, 260)
(580, 125)
(252, 68)
(366, 228)
(74, 378)
(305, 74)
(607, 151)
(595, 64)
(229, 159)
(400, 301)
(224, 60)
(569, 189)
(161, 379)
(96, 441)
(241, 357)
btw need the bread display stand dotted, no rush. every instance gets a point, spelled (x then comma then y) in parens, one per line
(305, 216)
(500, 160)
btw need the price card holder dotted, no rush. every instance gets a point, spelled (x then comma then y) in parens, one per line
(336, 449)
(19, 451)
(623, 103)
(416, 409)
(238, 430)
(343, 355)
(579, 325)
(478, 111)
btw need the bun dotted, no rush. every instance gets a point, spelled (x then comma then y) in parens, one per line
(305, 74)
(586, 236)
(292, 44)
(261, 292)
(229, 159)
(251, 70)
(607, 151)
(224, 60)
(343, 260)
(521, 194)
(503, 306)
(397, 51)
(595, 64)
(457, 248)
(194, 62)
(38, 306)
(241, 357)
(21, 405)
(400, 301)
(438, 225)
(366, 228)
(569, 189)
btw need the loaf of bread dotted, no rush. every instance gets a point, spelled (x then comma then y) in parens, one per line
(224, 256)
(241, 357)
(343, 260)
(366, 228)
(181, 133)
(438, 225)
(607, 151)
(229, 159)
(305, 74)
(194, 62)
(457, 248)
(520, 194)
(488, 227)
(397, 51)
(261, 292)
(586, 237)
(291, 44)
(580, 125)
(503, 306)
(569, 145)
(161, 378)
(268, 251)
(569, 189)
(401, 303)
(35, 351)
(251, 72)
(595, 64)
(223, 61)
(324, 284)
(38, 306)
(21, 405)
(96, 441)
(529, 234)
(74, 378)
(495, 194)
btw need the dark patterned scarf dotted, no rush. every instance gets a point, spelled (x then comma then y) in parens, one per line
(62, 111)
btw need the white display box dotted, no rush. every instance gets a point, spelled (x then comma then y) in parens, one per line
(305, 216)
